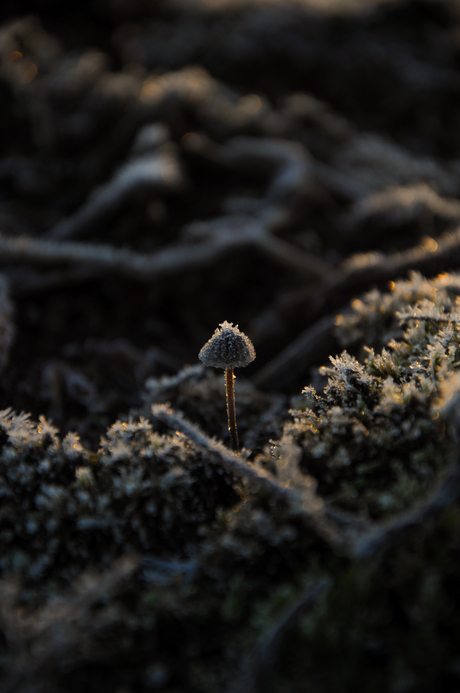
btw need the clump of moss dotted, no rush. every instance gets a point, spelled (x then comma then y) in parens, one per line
(373, 320)
(204, 574)
(65, 509)
(211, 567)
(376, 437)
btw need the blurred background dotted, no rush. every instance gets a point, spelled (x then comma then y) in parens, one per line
(165, 166)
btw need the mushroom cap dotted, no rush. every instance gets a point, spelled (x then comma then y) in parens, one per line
(227, 348)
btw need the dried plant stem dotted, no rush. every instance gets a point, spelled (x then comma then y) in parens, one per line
(229, 384)
(165, 262)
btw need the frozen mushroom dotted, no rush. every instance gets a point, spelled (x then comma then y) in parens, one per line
(228, 348)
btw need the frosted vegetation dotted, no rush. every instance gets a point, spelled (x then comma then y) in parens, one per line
(164, 525)
(166, 166)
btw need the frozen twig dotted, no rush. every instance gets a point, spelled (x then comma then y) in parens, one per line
(232, 462)
(255, 478)
(233, 233)
(153, 167)
(397, 206)
(287, 163)
(142, 266)
(375, 162)
(355, 275)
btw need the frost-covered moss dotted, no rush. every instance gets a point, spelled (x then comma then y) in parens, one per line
(142, 552)
(376, 437)
(147, 562)
(65, 509)
(374, 321)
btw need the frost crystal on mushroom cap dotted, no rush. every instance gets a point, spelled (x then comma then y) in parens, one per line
(227, 348)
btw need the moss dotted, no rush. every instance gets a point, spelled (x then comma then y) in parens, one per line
(147, 556)
(373, 320)
(64, 508)
(375, 439)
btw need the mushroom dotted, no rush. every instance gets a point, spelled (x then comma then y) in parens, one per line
(228, 348)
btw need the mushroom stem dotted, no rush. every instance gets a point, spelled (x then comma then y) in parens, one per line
(229, 378)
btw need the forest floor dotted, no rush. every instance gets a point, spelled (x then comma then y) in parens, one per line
(293, 168)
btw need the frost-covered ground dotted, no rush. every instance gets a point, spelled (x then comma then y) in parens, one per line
(290, 167)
